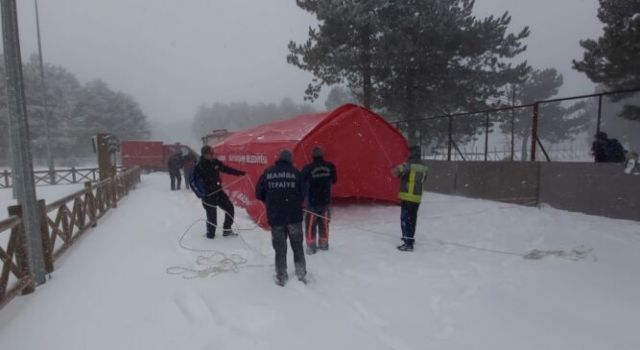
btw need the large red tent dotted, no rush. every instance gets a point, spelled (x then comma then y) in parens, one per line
(363, 146)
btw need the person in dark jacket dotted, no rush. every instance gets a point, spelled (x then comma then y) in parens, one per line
(599, 147)
(280, 187)
(318, 177)
(208, 169)
(606, 150)
(174, 163)
(188, 164)
(413, 175)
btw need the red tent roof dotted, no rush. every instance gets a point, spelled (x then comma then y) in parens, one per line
(361, 144)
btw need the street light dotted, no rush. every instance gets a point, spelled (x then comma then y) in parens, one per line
(52, 172)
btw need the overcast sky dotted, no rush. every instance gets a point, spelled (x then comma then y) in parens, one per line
(174, 55)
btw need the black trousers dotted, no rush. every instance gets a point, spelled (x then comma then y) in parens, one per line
(279, 236)
(408, 219)
(210, 204)
(175, 177)
(187, 175)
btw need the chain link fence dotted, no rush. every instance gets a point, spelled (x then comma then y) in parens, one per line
(561, 129)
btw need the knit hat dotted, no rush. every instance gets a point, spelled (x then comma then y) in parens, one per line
(286, 155)
(415, 152)
(317, 152)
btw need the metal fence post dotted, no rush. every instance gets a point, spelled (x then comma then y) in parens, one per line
(534, 130)
(23, 182)
(599, 113)
(486, 136)
(450, 138)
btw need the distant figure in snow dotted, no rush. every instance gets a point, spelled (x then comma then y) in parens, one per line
(318, 177)
(174, 163)
(413, 175)
(280, 187)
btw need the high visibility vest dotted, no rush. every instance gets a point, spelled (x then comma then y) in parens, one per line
(413, 179)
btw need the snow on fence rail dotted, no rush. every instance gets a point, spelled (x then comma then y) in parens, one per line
(59, 176)
(62, 222)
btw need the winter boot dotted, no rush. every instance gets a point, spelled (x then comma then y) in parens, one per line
(311, 249)
(281, 279)
(405, 248)
(228, 232)
(323, 246)
(211, 235)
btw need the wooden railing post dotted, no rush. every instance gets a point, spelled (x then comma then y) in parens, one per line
(92, 203)
(113, 186)
(22, 258)
(47, 247)
(73, 175)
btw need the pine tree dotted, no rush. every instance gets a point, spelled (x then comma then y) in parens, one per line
(612, 59)
(341, 49)
(412, 58)
(440, 59)
(62, 92)
(101, 110)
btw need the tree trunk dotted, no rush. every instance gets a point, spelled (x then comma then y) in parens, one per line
(410, 106)
(367, 91)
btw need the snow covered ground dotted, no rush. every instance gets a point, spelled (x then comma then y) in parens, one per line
(48, 193)
(128, 284)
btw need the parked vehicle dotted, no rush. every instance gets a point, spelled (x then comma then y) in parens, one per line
(149, 155)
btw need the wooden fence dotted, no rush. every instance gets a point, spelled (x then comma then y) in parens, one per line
(62, 222)
(59, 176)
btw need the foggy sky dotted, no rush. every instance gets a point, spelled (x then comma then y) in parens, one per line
(174, 55)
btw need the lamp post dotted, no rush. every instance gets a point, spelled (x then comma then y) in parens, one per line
(20, 143)
(51, 166)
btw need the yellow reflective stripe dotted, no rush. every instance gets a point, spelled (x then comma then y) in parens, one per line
(412, 180)
(410, 197)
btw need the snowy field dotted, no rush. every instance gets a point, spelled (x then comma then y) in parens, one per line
(128, 284)
(48, 193)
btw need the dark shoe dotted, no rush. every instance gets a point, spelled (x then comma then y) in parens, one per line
(311, 250)
(405, 248)
(228, 232)
(281, 279)
(323, 246)
(211, 235)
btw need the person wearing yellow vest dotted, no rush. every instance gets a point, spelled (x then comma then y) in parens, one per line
(413, 175)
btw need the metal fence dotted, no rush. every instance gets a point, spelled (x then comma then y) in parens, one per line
(553, 130)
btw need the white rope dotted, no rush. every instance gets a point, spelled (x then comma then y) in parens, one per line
(217, 262)
(578, 253)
